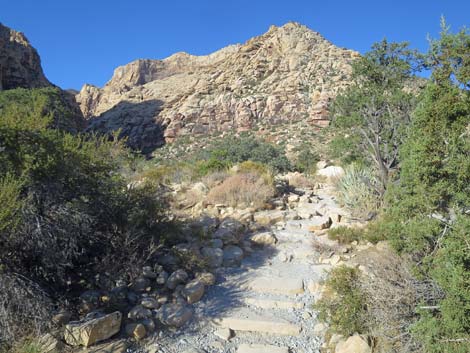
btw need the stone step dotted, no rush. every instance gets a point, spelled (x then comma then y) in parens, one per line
(246, 320)
(278, 285)
(274, 304)
(261, 348)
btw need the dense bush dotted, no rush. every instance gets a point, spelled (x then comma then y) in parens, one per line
(306, 159)
(345, 235)
(232, 150)
(66, 212)
(50, 101)
(342, 305)
(427, 211)
(426, 214)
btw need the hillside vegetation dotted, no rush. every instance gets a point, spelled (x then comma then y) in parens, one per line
(417, 147)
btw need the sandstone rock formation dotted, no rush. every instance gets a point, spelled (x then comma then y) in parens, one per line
(20, 65)
(288, 74)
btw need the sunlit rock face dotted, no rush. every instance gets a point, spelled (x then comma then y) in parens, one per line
(20, 65)
(290, 73)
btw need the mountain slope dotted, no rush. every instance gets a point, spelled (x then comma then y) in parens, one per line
(20, 65)
(287, 74)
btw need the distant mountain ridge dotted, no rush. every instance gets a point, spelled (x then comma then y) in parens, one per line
(288, 74)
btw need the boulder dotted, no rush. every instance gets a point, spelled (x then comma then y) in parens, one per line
(139, 312)
(89, 301)
(206, 278)
(175, 315)
(49, 344)
(322, 165)
(293, 198)
(233, 256)
(269, 217)
(141, 284)
(215, 243)
(177, 277)
(230, 231)
(92, 331)
(193, 291)
(265, 238)
(353, 344)
(136, 331)
(319, 223)
(62, 318)
(162, 278)
(149, 325)
(148, 272)
(150, 303)
(213, 256)
(224, 333)
(331, 172)
(110, 347)
(319, 329)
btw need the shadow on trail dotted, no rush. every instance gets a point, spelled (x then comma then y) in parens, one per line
(231, 289)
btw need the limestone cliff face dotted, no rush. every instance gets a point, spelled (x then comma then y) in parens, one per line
(20, 65)
(287, 74)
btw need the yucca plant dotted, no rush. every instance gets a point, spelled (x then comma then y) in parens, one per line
(358, 190)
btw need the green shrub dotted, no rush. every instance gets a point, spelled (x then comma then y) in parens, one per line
(65, 211)
(306, 160)
(342, 304)
(448, 328)
(215, 163)
(345, 148)
(427, 211)
(253, 167)
(50, 102)
(357, 190)
(10, 189)
(232, 150)
(345, 235)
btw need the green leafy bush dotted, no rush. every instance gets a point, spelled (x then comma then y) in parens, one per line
(64, 114)
(342, 305)
(345, 235)
(65, 210)
(306, 160)
(232, 150)
(10, 189)
(427, 211)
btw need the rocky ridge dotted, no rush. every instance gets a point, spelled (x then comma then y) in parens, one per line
(20, 64)
(288, 74)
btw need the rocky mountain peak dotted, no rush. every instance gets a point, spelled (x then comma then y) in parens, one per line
(287, 74)
(20, 65)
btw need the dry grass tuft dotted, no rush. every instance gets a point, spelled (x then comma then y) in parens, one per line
(243, 190)
(298, 180)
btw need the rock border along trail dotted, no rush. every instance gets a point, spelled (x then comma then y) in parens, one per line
(265, 305)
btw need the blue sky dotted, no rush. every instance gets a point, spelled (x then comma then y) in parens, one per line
(83, 41)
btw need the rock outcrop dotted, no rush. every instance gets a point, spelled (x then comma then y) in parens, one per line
(20, 65)
(288, 74)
